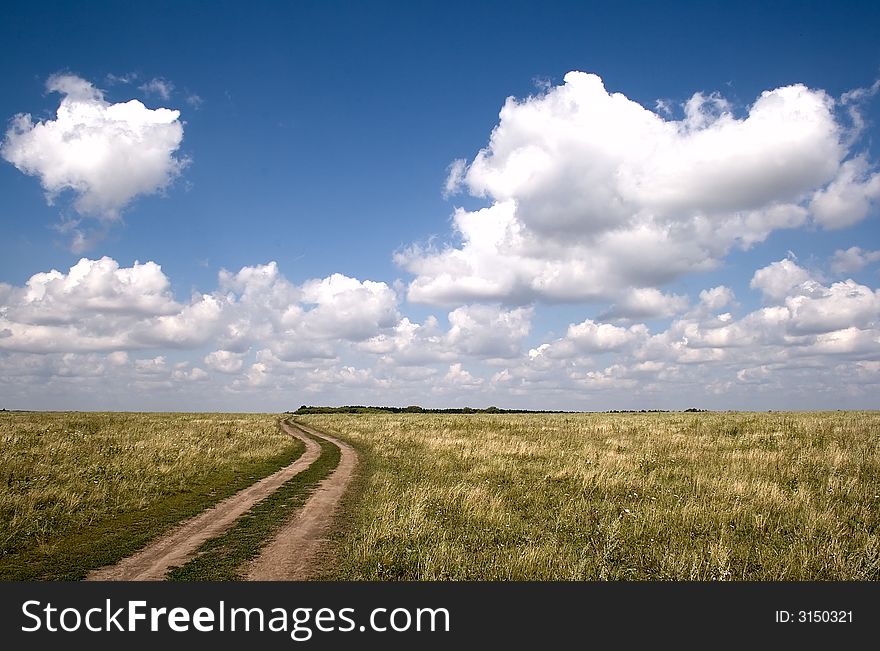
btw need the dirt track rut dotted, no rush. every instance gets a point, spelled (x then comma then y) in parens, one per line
(178, 545)
(293, 554)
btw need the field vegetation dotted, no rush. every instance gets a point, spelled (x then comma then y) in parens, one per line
(666, 496)
(83, 490)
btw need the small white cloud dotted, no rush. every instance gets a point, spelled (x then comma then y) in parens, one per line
(459, 377)
(852, 260)
(158, 86)
(106, 154)
(194, 101)
(118, 358)
(126, 78)
(153, 366)
(454, 177)
(717, 297)
(224, 361)
(646, 303)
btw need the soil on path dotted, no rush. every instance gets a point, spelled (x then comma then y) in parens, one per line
(293, 553)
(178, 545)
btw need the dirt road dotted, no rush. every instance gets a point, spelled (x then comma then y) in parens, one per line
(178, 545)
(292, 555)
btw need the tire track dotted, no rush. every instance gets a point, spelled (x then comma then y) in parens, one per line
(178, 545)
(292, 555)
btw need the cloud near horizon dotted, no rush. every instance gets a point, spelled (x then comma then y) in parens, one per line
(119, 329)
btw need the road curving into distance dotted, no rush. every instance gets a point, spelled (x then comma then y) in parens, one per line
(179, 545)
(293, 554)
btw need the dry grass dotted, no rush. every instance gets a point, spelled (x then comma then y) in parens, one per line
(63, 475)
(777, 496)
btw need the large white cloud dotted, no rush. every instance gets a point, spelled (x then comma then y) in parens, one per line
(99, 306)
(593, 196)
(106, 154)
(91, 287)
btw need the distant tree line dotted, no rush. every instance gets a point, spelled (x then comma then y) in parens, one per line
(415, 409)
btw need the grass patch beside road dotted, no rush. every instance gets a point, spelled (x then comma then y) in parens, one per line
(83, 490)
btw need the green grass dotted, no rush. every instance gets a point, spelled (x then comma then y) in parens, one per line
(222, 558)
(712, 496)
(80, 491)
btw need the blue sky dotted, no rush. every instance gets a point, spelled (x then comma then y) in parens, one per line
(321, 136)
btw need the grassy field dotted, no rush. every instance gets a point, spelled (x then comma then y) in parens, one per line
(78, 491)
(739, 496)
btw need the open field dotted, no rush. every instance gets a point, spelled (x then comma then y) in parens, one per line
(78, 491)
(670, 496)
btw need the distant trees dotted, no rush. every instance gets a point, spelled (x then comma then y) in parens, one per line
(416, 409)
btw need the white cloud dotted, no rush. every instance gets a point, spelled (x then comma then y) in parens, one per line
(158, 86)
(852, 260)
(347, 308)
(459, 377)
(152, 366)
(646, 303)
(717, 297)
(195, 101)
(99, 306)
(822, 309)
(106, 154)
(488, 331)
(776, 280)
(101, 331)
(454, 177)
(594, 196)
(589, 337)
(224, 361)
(91, 287)
(849, 198)
(194, 375)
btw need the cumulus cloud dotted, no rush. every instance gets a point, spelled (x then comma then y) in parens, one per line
(105, 154)
(717, 297)
(99, 306)
(347, 308)
(589, 337)
(852, 260)
(849, 198)
(224, 361)
(594, 197)
(646, 303)
(488, 331)
(91, 287)
(459, 377)
(776, 280)
(102, 330)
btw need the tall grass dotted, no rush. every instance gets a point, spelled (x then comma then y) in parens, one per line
(78, 490)
(738, 496)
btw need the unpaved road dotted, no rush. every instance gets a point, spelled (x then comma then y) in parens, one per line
(179, 545)
(292, 554)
